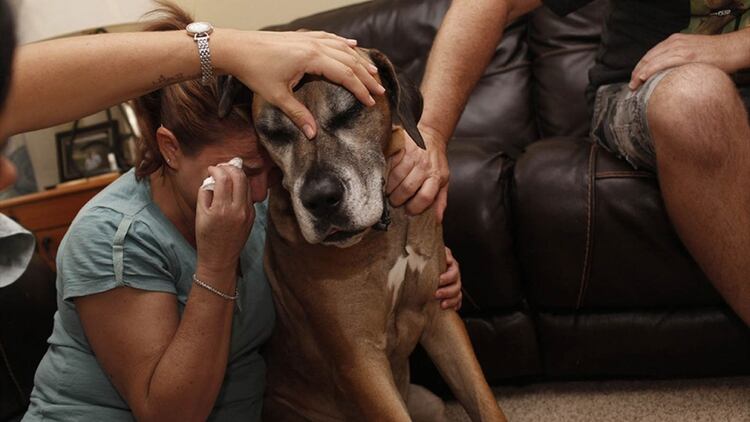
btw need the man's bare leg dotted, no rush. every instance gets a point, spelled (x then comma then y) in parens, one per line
(702, 139)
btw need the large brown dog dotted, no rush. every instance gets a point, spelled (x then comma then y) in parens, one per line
(353, 280)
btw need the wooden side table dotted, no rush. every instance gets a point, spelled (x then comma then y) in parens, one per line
(48, 214)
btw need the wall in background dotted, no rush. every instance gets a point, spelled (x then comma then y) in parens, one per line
(244, 14)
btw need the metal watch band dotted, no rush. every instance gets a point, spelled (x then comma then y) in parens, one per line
(207, 70)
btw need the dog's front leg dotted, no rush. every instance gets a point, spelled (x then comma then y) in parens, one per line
(446, 341)
(365, 378)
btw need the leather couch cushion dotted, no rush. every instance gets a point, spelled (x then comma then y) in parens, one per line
(403, 30)
(477, 224)
(592, 233)
(563, 50)
(500, 107)
(659, 343)
(506, 347)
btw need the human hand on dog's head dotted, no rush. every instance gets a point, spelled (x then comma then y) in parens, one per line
(277, 61)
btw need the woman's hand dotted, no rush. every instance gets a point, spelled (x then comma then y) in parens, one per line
(223, 220)
(449, 290)
(141, 340)
(275, 62)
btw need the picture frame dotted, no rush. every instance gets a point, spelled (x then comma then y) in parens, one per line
(85, 151)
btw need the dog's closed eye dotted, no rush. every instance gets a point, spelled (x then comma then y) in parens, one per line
(345, 118)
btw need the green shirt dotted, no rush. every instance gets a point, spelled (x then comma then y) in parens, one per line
(121, 238)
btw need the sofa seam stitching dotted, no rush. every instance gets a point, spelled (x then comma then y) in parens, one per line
(586, 272)
(624, 174)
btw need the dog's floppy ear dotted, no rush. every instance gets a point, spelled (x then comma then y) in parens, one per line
(231, 92)
(404, 97)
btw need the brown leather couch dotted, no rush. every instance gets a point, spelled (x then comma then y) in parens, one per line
(570, 266)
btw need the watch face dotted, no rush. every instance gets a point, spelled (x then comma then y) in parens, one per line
(199, 28)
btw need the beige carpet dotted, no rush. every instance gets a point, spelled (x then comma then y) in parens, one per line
(700, 400)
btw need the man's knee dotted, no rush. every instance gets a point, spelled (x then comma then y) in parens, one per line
(693, 112)
(693, 90)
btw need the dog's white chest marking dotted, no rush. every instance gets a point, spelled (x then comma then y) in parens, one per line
(396, 276)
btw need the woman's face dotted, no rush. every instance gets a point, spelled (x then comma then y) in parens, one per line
(256, 165)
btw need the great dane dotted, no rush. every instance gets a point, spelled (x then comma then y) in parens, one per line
(354, 279)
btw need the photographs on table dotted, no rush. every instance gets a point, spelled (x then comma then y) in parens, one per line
(87, 151)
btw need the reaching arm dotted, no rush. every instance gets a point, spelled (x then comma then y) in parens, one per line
(457, 60)
(459, 57)
(64, 79)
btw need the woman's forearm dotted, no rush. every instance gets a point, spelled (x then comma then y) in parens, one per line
(165, 365)
(64, 79)
(187, 379)
(61, 80)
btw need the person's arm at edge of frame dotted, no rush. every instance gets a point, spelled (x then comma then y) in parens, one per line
(64, 79)
(457, 60)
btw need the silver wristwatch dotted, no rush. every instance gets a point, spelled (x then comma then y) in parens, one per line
(201, 32)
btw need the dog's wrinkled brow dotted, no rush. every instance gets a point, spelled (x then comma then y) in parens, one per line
(345, 107)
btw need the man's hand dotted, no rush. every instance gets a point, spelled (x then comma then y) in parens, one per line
(420, 177)
(680, 49)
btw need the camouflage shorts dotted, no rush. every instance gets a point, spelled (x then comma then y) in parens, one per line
(620, 125)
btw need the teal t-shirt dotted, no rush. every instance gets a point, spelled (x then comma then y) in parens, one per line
(121, 238)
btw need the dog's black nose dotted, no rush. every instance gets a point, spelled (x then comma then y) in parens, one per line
(322, 193)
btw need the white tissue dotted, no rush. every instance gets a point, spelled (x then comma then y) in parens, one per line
(209, 183)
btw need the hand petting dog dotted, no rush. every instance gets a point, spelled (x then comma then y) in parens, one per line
(273, 76)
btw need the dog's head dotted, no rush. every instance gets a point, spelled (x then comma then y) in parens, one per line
(336, 181)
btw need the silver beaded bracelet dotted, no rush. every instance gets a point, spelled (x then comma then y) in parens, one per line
(217, 292)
